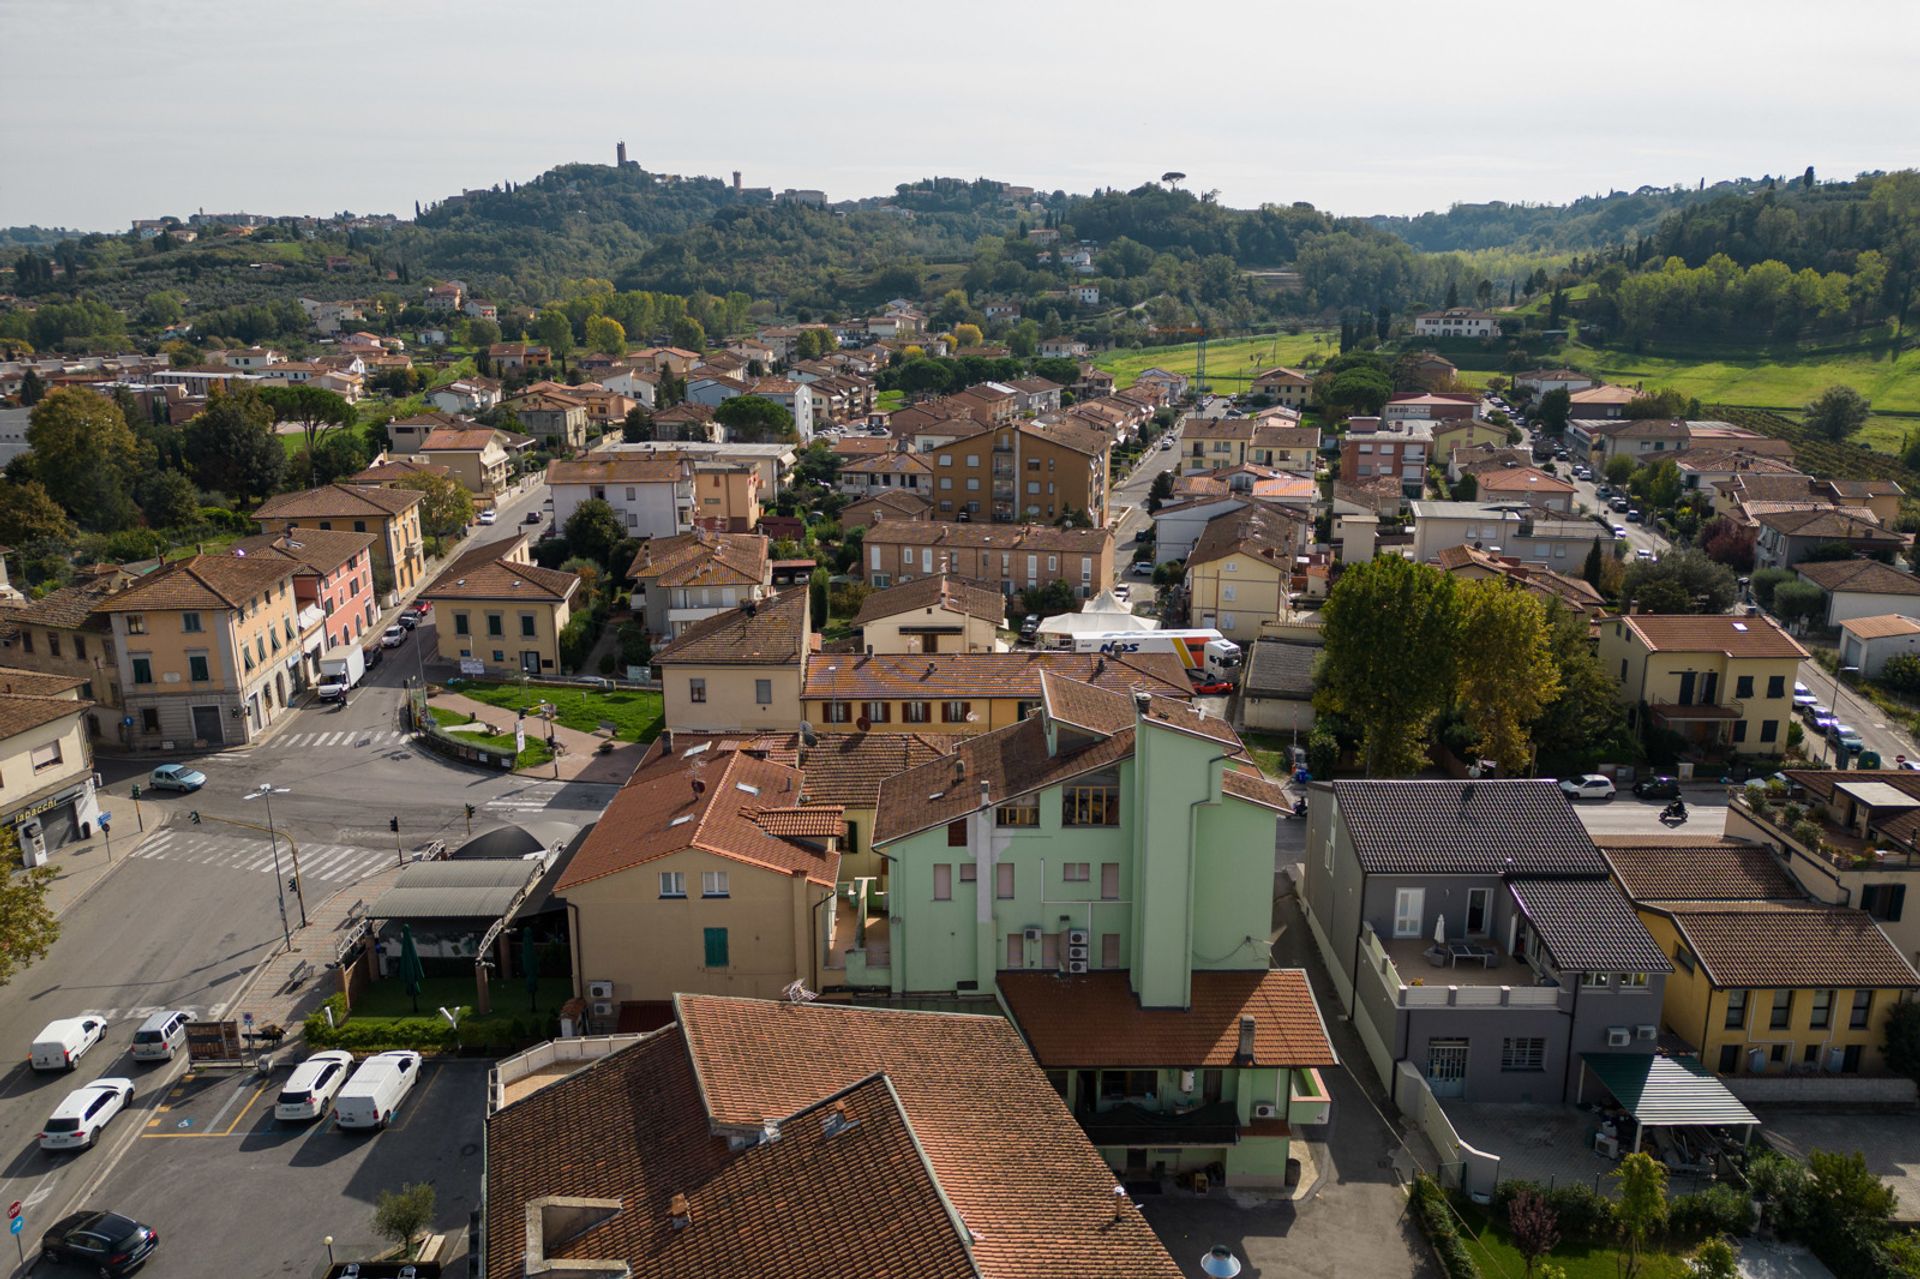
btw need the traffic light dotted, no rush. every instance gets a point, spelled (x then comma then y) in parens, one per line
(469, 812)
(136, 790)
(194, 816)
(393, 824)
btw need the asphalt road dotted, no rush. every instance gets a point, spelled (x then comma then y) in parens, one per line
(1586, 504)
(1878, 734)
(1625, 815)
(1131, 494)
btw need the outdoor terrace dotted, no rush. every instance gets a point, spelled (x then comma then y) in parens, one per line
(1807, 827)
(1402, 962)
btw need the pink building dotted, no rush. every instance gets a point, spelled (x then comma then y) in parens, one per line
(333, 586)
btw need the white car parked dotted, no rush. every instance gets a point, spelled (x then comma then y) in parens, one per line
(311, 1088)
(77, 1121)
(1588, 786)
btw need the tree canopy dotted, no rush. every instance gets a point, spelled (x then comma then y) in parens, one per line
(1379, 612)
(86, 456)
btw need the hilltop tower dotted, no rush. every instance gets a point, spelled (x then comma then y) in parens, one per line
(620, 154)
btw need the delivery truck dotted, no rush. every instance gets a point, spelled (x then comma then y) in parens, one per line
(341, 670)
(1199, 650)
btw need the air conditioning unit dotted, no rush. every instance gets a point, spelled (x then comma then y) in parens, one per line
(1076, 936)
(1077, 966)
(1618, 1036)
(1077, 952)
(1264, 1110)
(603, 1008)
(1836, 1060)
(599, 990)
(1031, 936)
(1646, 1032)
(1756, 1061)
(1186, 1081)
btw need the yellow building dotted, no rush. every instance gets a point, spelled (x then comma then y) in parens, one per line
(1723, 683)
(1448, 436)
(208, 650)
(474, 457)
(938, 614)
(63, 633)
(392, 514)
(963, 692)
(726, 496)
(739, 669)
(46, 761)
(1241, 569)
(706, 874)
(495, 607)
(1765, 980)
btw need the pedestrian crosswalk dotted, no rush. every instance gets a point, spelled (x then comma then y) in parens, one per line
(331, 863)
(136, 1015)
(531, 797)
(359, 738)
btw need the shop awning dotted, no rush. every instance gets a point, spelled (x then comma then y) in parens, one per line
(1661, 1091)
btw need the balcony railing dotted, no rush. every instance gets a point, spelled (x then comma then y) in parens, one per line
(1804, 829)
(1512, 986)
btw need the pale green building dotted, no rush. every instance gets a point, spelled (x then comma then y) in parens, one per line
(1124, 923)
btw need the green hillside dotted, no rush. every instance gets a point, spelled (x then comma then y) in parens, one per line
(1231, 363)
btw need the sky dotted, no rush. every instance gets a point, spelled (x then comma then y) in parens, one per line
(117, 110)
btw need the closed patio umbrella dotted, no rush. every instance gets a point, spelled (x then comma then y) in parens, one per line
(410, 970)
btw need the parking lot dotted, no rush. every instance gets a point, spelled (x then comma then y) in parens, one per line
(220, 1178)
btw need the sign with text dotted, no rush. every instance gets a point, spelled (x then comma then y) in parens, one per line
(214, 1041)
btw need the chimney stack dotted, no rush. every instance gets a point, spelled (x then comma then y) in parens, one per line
(1245, 1050)
(679, 1212)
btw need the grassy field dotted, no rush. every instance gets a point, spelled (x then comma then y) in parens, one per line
(1496, 1254)
(536, 753)
(1231, 362)
(635, 714)
(389, 998)
(888, 401)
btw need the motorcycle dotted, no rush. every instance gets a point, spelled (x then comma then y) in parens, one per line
(1674, 814)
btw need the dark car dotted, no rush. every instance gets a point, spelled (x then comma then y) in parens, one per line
(1657, 787)
(408, 620)
(374, 655)
(533, 517)
(105, 1242)
(1030, 626)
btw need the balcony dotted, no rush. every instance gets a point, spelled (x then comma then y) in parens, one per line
(1806, 829)
(1128, 1124)
(1508, 983)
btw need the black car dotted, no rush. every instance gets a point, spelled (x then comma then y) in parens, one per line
(105, 1242)
(408, 620)
(1657, 787)
(374, 655)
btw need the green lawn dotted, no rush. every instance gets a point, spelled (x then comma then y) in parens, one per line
(1231, 362)
(1497, 1256)
(888, 401)
(388, 998)
(1269, 750)
(636, 715)
(537, 751)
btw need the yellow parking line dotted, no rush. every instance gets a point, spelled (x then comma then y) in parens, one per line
(224, 1132)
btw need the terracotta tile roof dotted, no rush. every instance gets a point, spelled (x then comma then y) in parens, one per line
(1255, 529)
(1267, 436)
(818, 822)
(1522, 479)
(941, 590)
(340, 501)
(1522, 826)
(1013, 538)
(985, 769)
(1067, 435)
(1776, 945)
(628, 468)
(17, 681)
(1246, 782)
(1866, 488)
(1587, 925)
(781, 748)
(1683, 868)
(702, 559)
(888, 463)
(1865, 577)
(943, 676)
(20, 712)
(451, 440)
(397, 469)
(1882, 627)
(211, 582)
(483, 574)
(1098, 710)
(1828, 524)
(890, 500)
(685, 412)
(1093, 1021)
(660, 812)
(1035, 1197)
(848, 768)
(1712, 633)
(771, 632)
(69, 608)
(321, 549)
(800, 1205)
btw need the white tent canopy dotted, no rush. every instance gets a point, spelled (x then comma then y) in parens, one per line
(1100, 614)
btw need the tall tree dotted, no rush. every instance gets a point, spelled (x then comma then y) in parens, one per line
(28, 514)
(555, 332)
(605, 335)
(87, 456)
(316, 410)
(1380, 612)
(1383, 322)
(1533, 1226)
(1585, 714)
(593, 530)
(1555, 407)
(168, 499)
(689, 334)
(754, 419)
(1837, 412)
(447, 507)
(1681, 581)
(28, 928)
(1643, 1206)
(231, 446)
(482, 333)
(32, 389)
(1507, 673)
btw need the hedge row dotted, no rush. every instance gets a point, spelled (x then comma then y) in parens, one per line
(1435, 1215)
(1587, 1217)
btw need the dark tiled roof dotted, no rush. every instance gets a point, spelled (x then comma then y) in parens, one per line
(1829, 524)
(1865, 577)
(1679, 868)
(702, 558)
(321, 549)
(484, 574)
(848, 768)
(339, 501)
(1588, 926)
(1094, 1021)
(940, 676)
(941, 590)
(70, 608)
(1522, 826)
(772, 632)
(1275, 669)
(1254, 529)
(1773, 944)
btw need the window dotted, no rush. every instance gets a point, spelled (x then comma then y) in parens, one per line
(877, 712)
(1729, 1058)
(1110, 950)
(45, 757)
(136, 624)
(149, 719)
(916, 712)
(697, 690)
(716, 939)
(1016, 951)
(1776, 686)
(26, 641)
(1822, 1015)
(1075, 872)
(80, 646)
(969, 873)
(197, 668)
(53, 644)
(1739, 730)
(957, 833)
(1743, 686)
(1884, 901)
(460, 626)
(1862, 1008)
(1850, 1060)
(1110, 881)
(955, 712)
(713, 883)
(142, 670)
(528, 627)
(499, 655)
(839, 712)
(1090, 806)
(1228, 590)
(496, 625)
(1736, 1010)
(1595, 981)
(1631, 981)
(763, 692)
(1022, 813)
(1782, 1014)
(1525, 1054)
(1003, 881)
(673, 883)
(942, 882)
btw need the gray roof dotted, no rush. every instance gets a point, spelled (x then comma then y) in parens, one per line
(1588, 926)
(1522, 826)
(483, 889)
(1275, 669)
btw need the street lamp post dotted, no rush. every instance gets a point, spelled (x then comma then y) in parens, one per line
(329, 1242)
(267, 791)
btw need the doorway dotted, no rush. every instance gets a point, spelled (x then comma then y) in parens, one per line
(1409, 911)
(207, 725)
(530, 661)
(1479, 903)
(1447, 1067)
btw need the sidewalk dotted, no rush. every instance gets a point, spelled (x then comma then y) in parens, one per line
(83, 863)
(582, 761)
(271, 998)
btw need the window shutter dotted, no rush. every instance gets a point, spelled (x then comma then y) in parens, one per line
(716, 939)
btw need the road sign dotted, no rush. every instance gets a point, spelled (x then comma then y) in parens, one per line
(209, 1041)
(13, 1210)
(105, 819)
(16, 1225)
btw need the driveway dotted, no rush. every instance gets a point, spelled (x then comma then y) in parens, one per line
(1354, 1219)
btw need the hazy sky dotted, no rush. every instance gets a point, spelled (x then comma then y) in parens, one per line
(114, 110)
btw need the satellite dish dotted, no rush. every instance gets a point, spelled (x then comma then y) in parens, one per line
(807, 736)
(699, 787)
(863, 723)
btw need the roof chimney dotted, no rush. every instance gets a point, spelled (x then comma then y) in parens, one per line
(1244, 1053)
(680, 1213)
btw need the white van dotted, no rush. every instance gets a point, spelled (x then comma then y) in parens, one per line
(376, 1090)
(61, 1045)
(161, 1036)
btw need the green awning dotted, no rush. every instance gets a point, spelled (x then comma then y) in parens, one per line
(1667, 1091)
